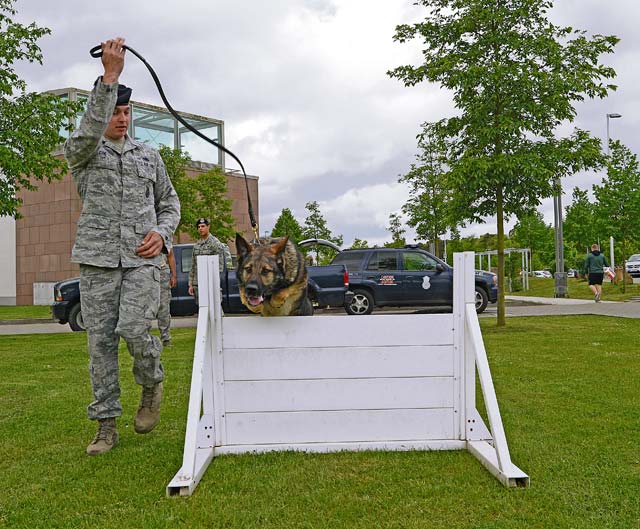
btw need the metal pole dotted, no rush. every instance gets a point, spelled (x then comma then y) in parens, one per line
(613, 262)
(560, 276)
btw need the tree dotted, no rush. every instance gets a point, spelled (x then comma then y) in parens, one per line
(619, 199)
(532, 232)
(287, 225)
(580, 227)
(203, 195)
(30, 123)
(397, 232)
(427, 207)
(515, 78)
(315, 227)
(358, 243)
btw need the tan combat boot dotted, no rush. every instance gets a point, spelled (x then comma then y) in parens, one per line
(106, 438)
(149, 410)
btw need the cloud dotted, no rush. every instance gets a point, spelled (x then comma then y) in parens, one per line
(302, 88)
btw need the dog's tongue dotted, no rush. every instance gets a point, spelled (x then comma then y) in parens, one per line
(253, 301)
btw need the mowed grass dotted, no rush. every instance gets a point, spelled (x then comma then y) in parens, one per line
(25, 312)
(567, 387)
(578, 289)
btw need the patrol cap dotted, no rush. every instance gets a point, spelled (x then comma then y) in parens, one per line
(202, 220)
(124, 94)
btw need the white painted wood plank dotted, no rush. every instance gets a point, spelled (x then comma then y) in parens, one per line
(342, 394)
(396, 446)
(354, 362)
(338, 331)
(339, 426)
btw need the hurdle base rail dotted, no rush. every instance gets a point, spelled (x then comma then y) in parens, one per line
(338, 383)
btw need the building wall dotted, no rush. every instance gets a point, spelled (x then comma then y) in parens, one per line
(46, 233)
(8, 261)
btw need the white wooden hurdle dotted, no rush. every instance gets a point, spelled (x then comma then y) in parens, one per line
(331, 383)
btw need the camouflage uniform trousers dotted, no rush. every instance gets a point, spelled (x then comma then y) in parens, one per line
(164, 313)
(119, 302)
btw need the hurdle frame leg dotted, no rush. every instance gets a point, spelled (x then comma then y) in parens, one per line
(488, 445)
(201, 433)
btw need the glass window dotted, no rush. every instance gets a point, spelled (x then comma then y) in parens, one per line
(383, 261)
(352, 260)
(185, 260)
(198, 148)
(153, 127)
(418, 261)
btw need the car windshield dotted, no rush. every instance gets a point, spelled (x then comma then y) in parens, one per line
(635, 257)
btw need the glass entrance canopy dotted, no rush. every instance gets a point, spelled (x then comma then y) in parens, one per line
(156, 126)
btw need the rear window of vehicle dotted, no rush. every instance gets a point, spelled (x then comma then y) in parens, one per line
(352, 260)
(383, 261)
(185, 260)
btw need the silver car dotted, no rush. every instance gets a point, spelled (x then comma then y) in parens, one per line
(632, 265)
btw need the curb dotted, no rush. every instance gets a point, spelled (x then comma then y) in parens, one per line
(27, 321)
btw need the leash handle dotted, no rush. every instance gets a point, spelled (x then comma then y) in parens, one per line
(96, 52)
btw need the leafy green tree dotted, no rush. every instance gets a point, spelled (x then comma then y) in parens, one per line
(202, 195)
(287, 225)
(315, 227)
(532, 232)
(619, 199)
(580, 227)
(428, 205)
(397, 232)
(515, 77)
(358, 243)
(30, 123)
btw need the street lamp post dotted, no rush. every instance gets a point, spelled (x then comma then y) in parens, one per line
(613, 115)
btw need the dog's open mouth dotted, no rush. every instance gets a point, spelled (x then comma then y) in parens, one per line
(254, 301)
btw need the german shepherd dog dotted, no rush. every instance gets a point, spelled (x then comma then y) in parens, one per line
(272, 277)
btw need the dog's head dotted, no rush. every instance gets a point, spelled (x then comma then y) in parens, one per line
(261, 269)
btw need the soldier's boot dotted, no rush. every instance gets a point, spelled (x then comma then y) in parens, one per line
(106, 437)
(149, 410)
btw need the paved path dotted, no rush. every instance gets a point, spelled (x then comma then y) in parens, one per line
(516, 306)
(532, 306)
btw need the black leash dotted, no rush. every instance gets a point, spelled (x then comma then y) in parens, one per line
(96, 52)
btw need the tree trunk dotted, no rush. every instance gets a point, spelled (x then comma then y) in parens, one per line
(502, 322)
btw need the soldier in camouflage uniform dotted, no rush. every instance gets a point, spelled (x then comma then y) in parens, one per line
(168, 281)
(207, 245)
(129, 214)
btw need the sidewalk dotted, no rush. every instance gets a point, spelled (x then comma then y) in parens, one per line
(552, 301)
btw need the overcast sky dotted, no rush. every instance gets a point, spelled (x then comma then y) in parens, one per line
(302, 88)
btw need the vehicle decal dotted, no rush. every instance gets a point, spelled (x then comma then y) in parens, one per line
(426, 283)
(387, 280)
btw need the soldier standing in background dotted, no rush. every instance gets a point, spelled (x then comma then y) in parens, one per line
(168, 280)
(207, 245)
(129, 214)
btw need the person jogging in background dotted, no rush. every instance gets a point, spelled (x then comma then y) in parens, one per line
(594, 267)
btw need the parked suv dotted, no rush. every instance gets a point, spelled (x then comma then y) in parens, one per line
(407, 276)
(632, 265)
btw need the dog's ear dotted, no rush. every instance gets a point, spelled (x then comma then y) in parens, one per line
(242, 247)
(279, 247)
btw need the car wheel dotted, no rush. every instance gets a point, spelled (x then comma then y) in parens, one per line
(481, 300)
(361, 304)
(75, 319)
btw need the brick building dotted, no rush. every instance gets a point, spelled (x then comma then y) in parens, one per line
(45, 235)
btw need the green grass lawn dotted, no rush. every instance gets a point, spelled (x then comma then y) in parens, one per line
(25, 312)
(568, 390)
(578, 289)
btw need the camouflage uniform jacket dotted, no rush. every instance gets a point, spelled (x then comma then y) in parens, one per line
(125, 195)
(209, 246)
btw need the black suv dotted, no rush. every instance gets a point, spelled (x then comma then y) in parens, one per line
(405, 276)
